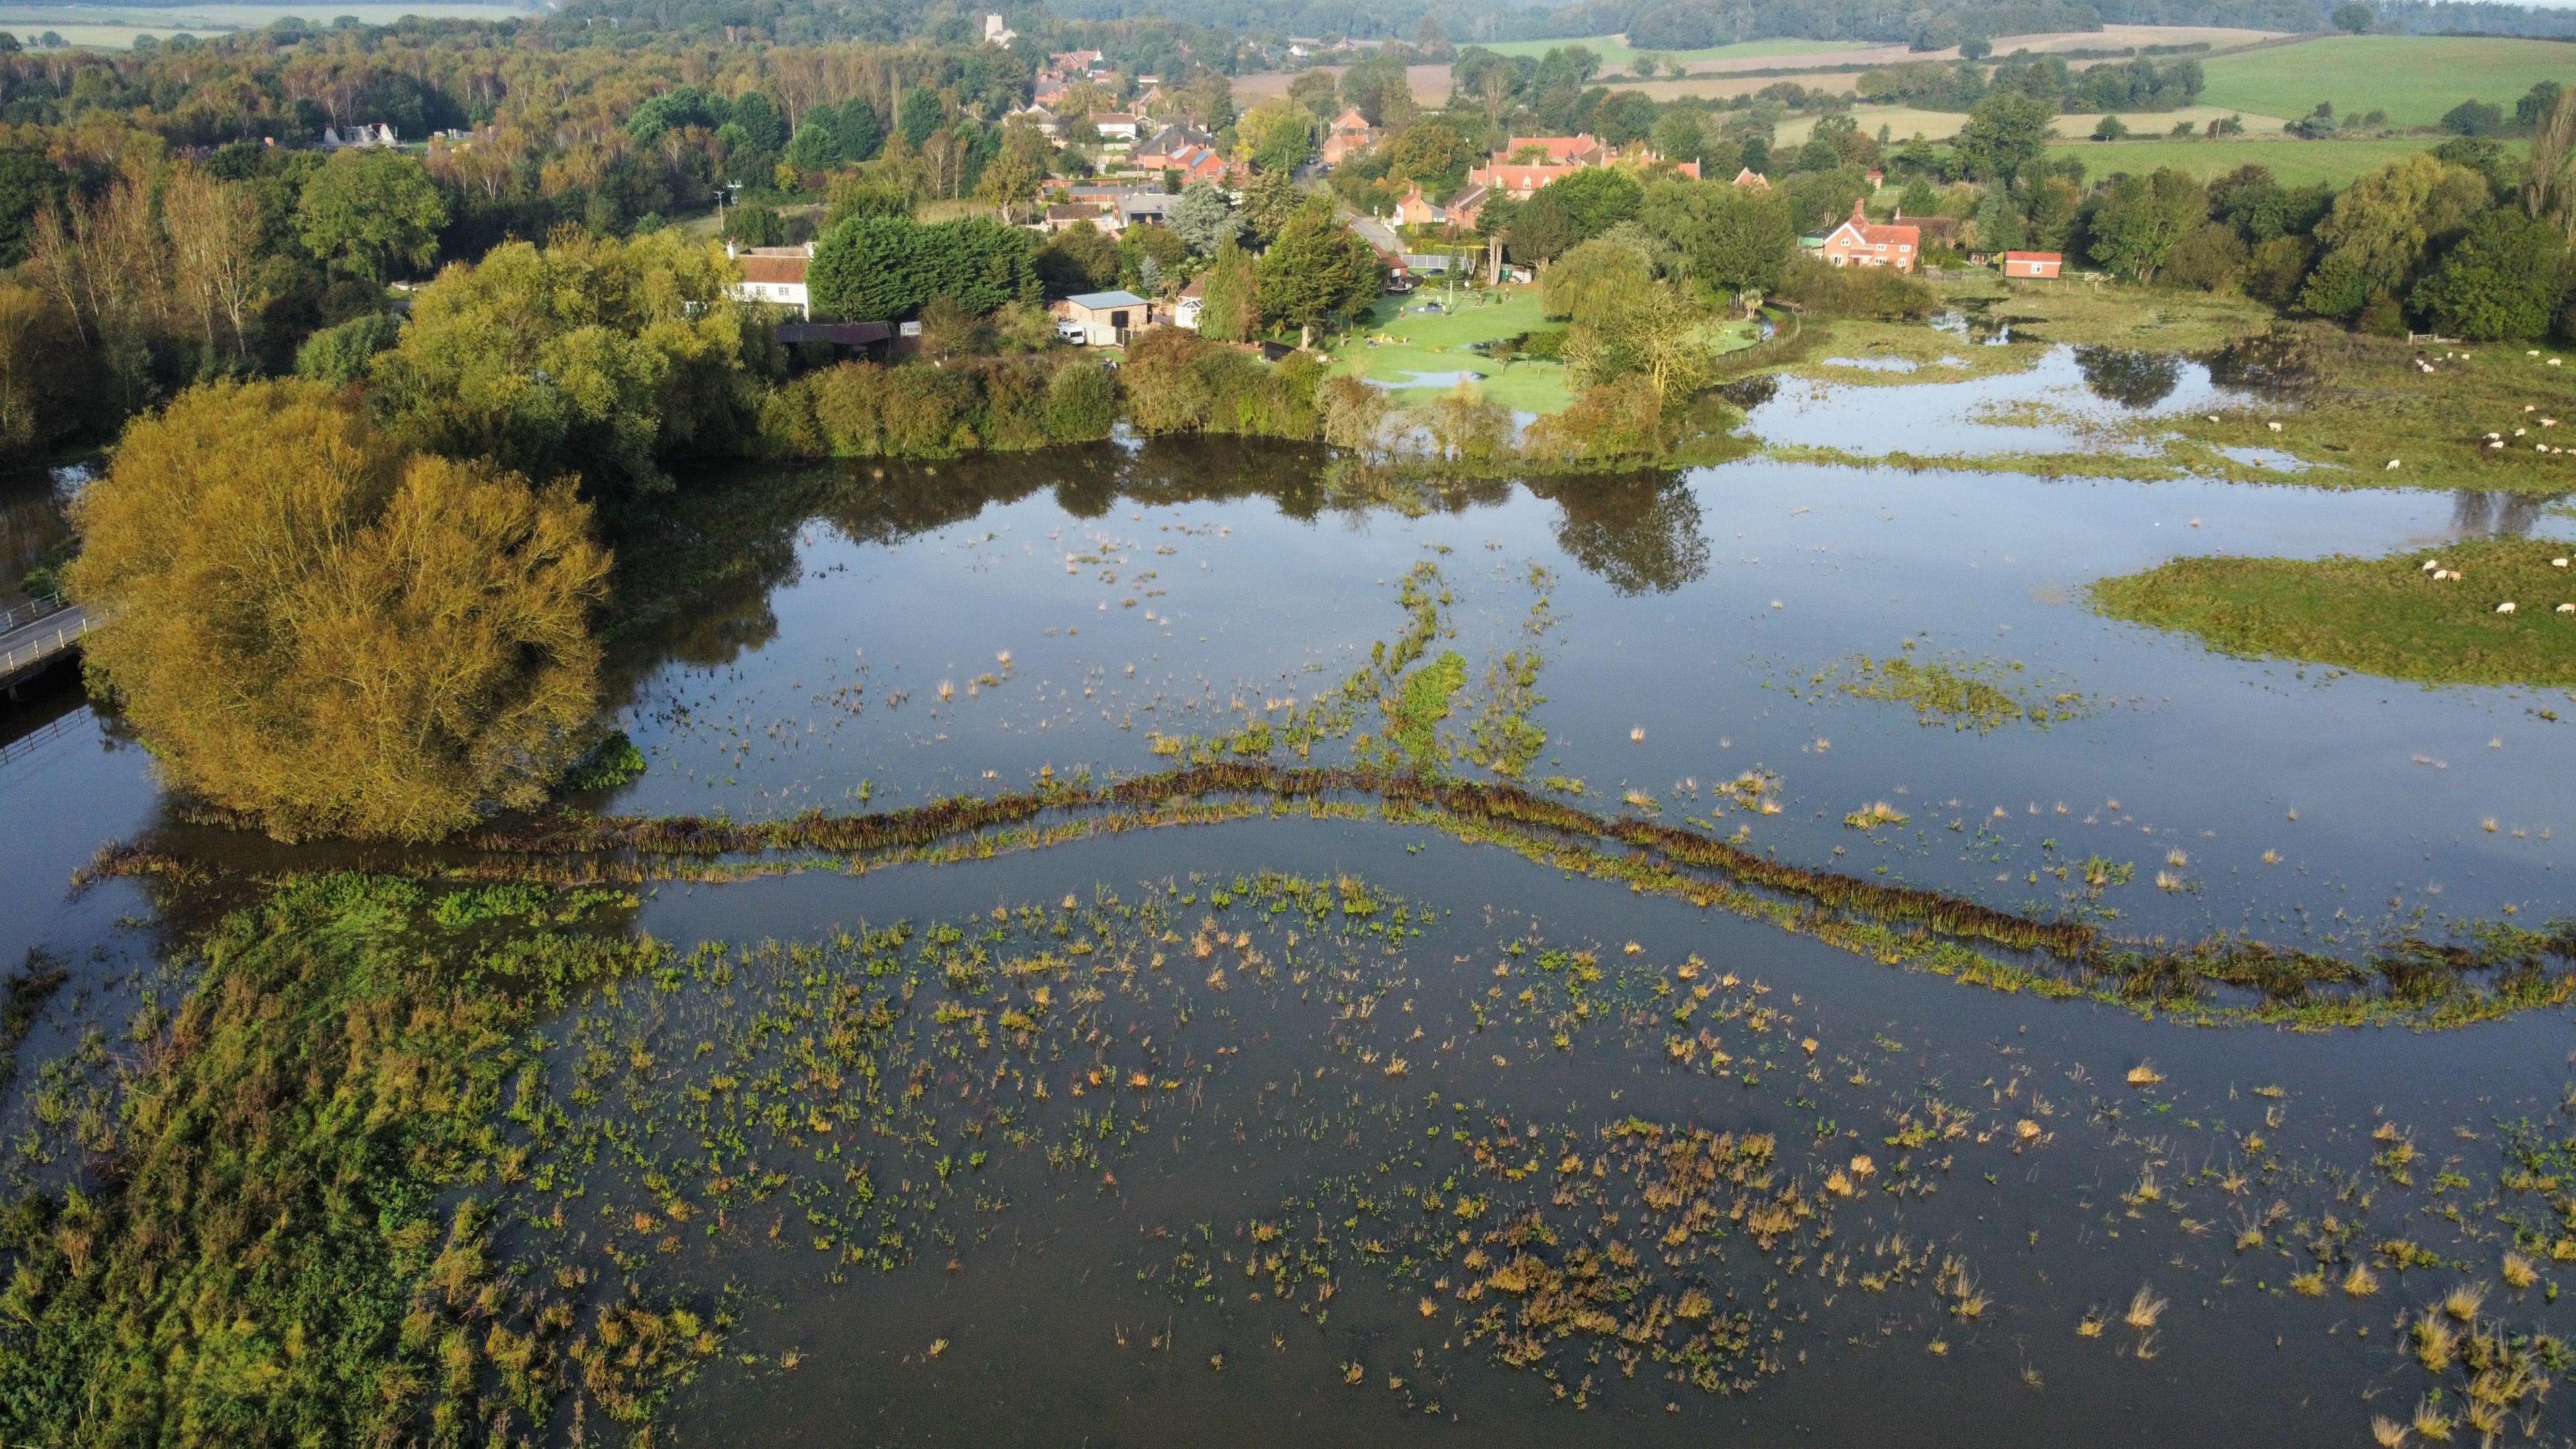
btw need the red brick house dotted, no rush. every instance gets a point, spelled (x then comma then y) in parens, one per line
(1517, 182)
(1350, 135)
(1858, 243)
(1561, 150)
(2042, 265)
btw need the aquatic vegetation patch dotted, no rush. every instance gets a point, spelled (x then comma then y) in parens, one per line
(1984, 695)
(2437, 616)
(291, 1231)
(612, 762)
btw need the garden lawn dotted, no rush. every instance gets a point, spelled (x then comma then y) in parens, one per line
(2294, 162)
(2414, 78)
(2384, 616)
(1408, 343)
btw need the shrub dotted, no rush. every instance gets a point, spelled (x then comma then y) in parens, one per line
(1081, 404)
(1619, 419)
(1831, 291)
(926, 412)
(1014, 410)
(339, 355)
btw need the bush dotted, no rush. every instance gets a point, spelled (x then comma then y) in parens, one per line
(926, 412)
(1176, 381)
(863, 410)
(2210, 259)
(1830, 291)
(1082, 403)
(1619, 419)
(339, 355)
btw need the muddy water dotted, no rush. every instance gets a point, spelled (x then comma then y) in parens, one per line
(1184, 590)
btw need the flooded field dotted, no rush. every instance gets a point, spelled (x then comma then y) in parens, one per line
(1293, 1115)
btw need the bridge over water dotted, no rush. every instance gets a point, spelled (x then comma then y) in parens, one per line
(33, 637)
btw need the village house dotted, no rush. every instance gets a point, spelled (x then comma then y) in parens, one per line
(1102, 319)
(1047, 122)
(1519, 183)
(2042, 265)
(1859, 243)
(1114, 126)
(1558, 150)
(997, 31)
(1350, 134)
(1192, 301)
(1415, 209)
(774, 276)
(1749, 179)
(1466, 206)
(1157, 153)
(1103, 216)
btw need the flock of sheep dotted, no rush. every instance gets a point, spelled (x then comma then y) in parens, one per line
(2440, 571)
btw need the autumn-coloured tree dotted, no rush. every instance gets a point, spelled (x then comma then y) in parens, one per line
(315, 627)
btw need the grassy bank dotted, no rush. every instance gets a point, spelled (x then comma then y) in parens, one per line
(2386, 616)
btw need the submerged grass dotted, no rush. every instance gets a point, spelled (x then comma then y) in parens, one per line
(287, 1238)
(1983, 695)
(2497, 971)
(2386, 616)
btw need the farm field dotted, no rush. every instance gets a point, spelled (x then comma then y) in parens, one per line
(2415, 78)
(1617, 54)
(2296, 163)
(1905, 121)
(110, 27)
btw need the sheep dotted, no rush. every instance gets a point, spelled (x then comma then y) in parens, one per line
(2567, 608)
(2549, 422)
(2392, 465)
(2431, 564)
(2558, 563)
(2498, 443)
(2505, 608)
(2275, 427)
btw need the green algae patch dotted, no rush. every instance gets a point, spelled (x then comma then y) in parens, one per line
(2434, 617)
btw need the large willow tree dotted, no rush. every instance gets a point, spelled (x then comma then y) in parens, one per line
(318, 628)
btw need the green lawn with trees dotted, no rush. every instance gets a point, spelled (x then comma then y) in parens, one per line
(2414, 78)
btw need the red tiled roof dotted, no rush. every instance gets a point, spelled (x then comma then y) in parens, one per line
(773, 269)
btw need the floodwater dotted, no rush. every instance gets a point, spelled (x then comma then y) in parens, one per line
(866, 638)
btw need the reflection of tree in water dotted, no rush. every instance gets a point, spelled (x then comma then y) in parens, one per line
(2499, 514)
(1641, 534)
(695, 569)
(2131, 379)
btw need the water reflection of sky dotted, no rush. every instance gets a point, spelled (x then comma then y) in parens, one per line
(2072, 396)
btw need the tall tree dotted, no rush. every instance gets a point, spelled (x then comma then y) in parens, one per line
(372, 213)
(2006, 132)
(1316, 272)
(2141, 220)
(214, 231)
(312, 626)
(1738, 241)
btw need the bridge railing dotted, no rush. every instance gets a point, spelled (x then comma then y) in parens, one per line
(14, 619)
(45, 646)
